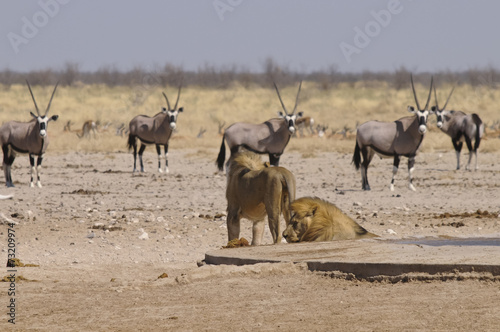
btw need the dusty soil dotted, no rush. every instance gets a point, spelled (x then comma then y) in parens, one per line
(102, 237)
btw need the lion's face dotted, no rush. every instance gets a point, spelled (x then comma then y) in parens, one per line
(299, 223)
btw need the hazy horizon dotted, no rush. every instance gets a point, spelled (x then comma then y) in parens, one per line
(303, 36)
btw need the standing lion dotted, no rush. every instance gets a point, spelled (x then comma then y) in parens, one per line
(255, 191)
(314, 219)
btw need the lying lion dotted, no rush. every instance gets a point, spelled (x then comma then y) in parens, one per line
(314, 219)
(255, 191)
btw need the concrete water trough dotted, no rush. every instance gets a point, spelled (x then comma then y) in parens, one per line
(369, 258)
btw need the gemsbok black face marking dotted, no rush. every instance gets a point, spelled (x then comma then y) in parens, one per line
(392, 139)
(460, 126)
(154, 130)
(270, 137)
(26, 137)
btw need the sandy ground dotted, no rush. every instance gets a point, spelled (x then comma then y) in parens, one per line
(102, 237)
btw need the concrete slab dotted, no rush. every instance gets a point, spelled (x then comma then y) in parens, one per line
(368, 258)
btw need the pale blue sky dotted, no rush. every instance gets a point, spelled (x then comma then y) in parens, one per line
(303, 35)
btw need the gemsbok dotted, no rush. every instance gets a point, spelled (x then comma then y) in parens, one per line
(270, 137)
(154, 130)
(26, 137)
(460, 126)
(402, 137)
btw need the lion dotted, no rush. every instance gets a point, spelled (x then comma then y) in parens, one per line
(314, 219)
(254, 191)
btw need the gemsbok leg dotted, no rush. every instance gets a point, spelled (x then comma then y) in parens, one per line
(37, 170)
(133, 143)
(141, 151)
(166, 157)
(367, 154)
(8, 160)
(274, 159)
(158, 151)
(395, 167)
(411, 168)
(472, 151)
(457, 144)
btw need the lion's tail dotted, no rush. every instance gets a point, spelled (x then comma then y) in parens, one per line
(288, 196)
(362, 232)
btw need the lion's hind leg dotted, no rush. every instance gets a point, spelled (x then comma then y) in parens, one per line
(258, 232)
(233, 224)
(273, 218)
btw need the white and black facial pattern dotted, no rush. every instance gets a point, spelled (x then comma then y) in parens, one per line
(172, 117)
(42, 125)
(440, 118)
(422, 119)
(290, 119)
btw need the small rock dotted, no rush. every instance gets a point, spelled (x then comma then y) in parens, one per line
(144, 236)
(390, 231)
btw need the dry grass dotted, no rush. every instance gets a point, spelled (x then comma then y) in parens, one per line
(341, 107)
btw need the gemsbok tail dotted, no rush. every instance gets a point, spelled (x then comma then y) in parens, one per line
(131, 141)
(479, 129)
(222, 154)
(356, 158)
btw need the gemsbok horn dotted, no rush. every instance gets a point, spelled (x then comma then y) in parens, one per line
(154, 130)
(402, 137)
(459, 126)
(26, 137)
(270, 137)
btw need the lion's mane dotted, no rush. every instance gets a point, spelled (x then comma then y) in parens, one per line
(314, 219)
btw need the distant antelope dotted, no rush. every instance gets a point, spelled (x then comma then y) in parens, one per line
(460, 126)
(89, 127)
(201, 132)
(120, 130)
(67, 126)
(270, 137)
(26, 137)
(321, 129)
(392, 139)
(305, 122)
(154, 130)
